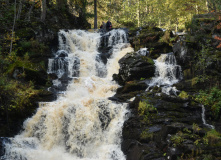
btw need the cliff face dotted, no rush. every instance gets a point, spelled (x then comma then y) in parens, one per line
(173, 126)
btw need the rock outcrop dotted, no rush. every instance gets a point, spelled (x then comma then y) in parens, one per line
(134, 66)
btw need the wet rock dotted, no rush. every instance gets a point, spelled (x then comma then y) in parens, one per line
(134, 67)
(39, 77)
(45, 96)
(180, 51)
(62, 53)
(53, 76)
(140, 151)
(3, 140)
(172, 116)
(159, 48)
(131, 87)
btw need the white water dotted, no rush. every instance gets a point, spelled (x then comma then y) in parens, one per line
(143, 51)
(167, 73)
(204, 119)
(82, 123)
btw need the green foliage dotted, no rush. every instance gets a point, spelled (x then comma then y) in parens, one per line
(212, 137)
(208, 157)
(211, 98)
(204, 58)
(32, 48)
(169, 14)
(147, 59)
(183, 95)
(177, 139)
(19, 95)
(145, 109)
(196, 128)
(146, 134)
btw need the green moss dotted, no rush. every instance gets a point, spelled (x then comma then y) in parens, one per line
(211, 98)
(212, 137)
(187, 73)
(183, 95)
(196, 128)
(146, 135)
(144, 108)
(194, 81)
(149, 60)
(177, 139)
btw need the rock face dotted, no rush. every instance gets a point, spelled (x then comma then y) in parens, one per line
(169, 130)
(3, 140)
(149, 37)
(161, 126)
(198, 52)
(134, 67)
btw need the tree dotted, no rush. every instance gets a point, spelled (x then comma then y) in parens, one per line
(43, 10)
(95, 14)
(13, 28)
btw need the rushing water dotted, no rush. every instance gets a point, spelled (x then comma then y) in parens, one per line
(204, 119)
(83, 123)
(167, 73)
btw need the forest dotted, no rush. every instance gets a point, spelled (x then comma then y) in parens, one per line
(29, 34)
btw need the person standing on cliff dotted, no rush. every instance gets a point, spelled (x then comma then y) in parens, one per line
(108, 25)
(103, 26)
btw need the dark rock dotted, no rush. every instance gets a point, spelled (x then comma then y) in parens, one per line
(159, 48)
(45, 96)
(172, 116)
(39, 77)
(134, 67)
(139, 151)
(173, 153)
(3, 140)
(131, 87)
(62, 53)
(53, 76)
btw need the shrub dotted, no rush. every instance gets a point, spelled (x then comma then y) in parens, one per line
(212, 137)
(183, 95)
(211, 98)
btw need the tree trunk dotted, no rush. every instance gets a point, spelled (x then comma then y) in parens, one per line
(207, 5)
(19, 10)
(13, 28)
(30, 10)
(43, 10)
(95, 14)
(197, 9)
(59, 4)
(138, 14)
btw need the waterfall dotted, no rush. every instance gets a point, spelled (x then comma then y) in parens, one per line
(143, 51)
(81, 124)
(167, 73)
(204, 119)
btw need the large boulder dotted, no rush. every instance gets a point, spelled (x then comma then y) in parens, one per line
(171, 130)
(134, 67)
(155, 39)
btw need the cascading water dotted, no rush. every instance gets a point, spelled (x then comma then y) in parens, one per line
(143, 51)
(204, 119)
(167, 73)
(83, 123)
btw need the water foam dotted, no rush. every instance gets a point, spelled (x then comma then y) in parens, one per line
(82, 123)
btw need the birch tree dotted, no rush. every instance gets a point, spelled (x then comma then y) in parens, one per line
(43, 10)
